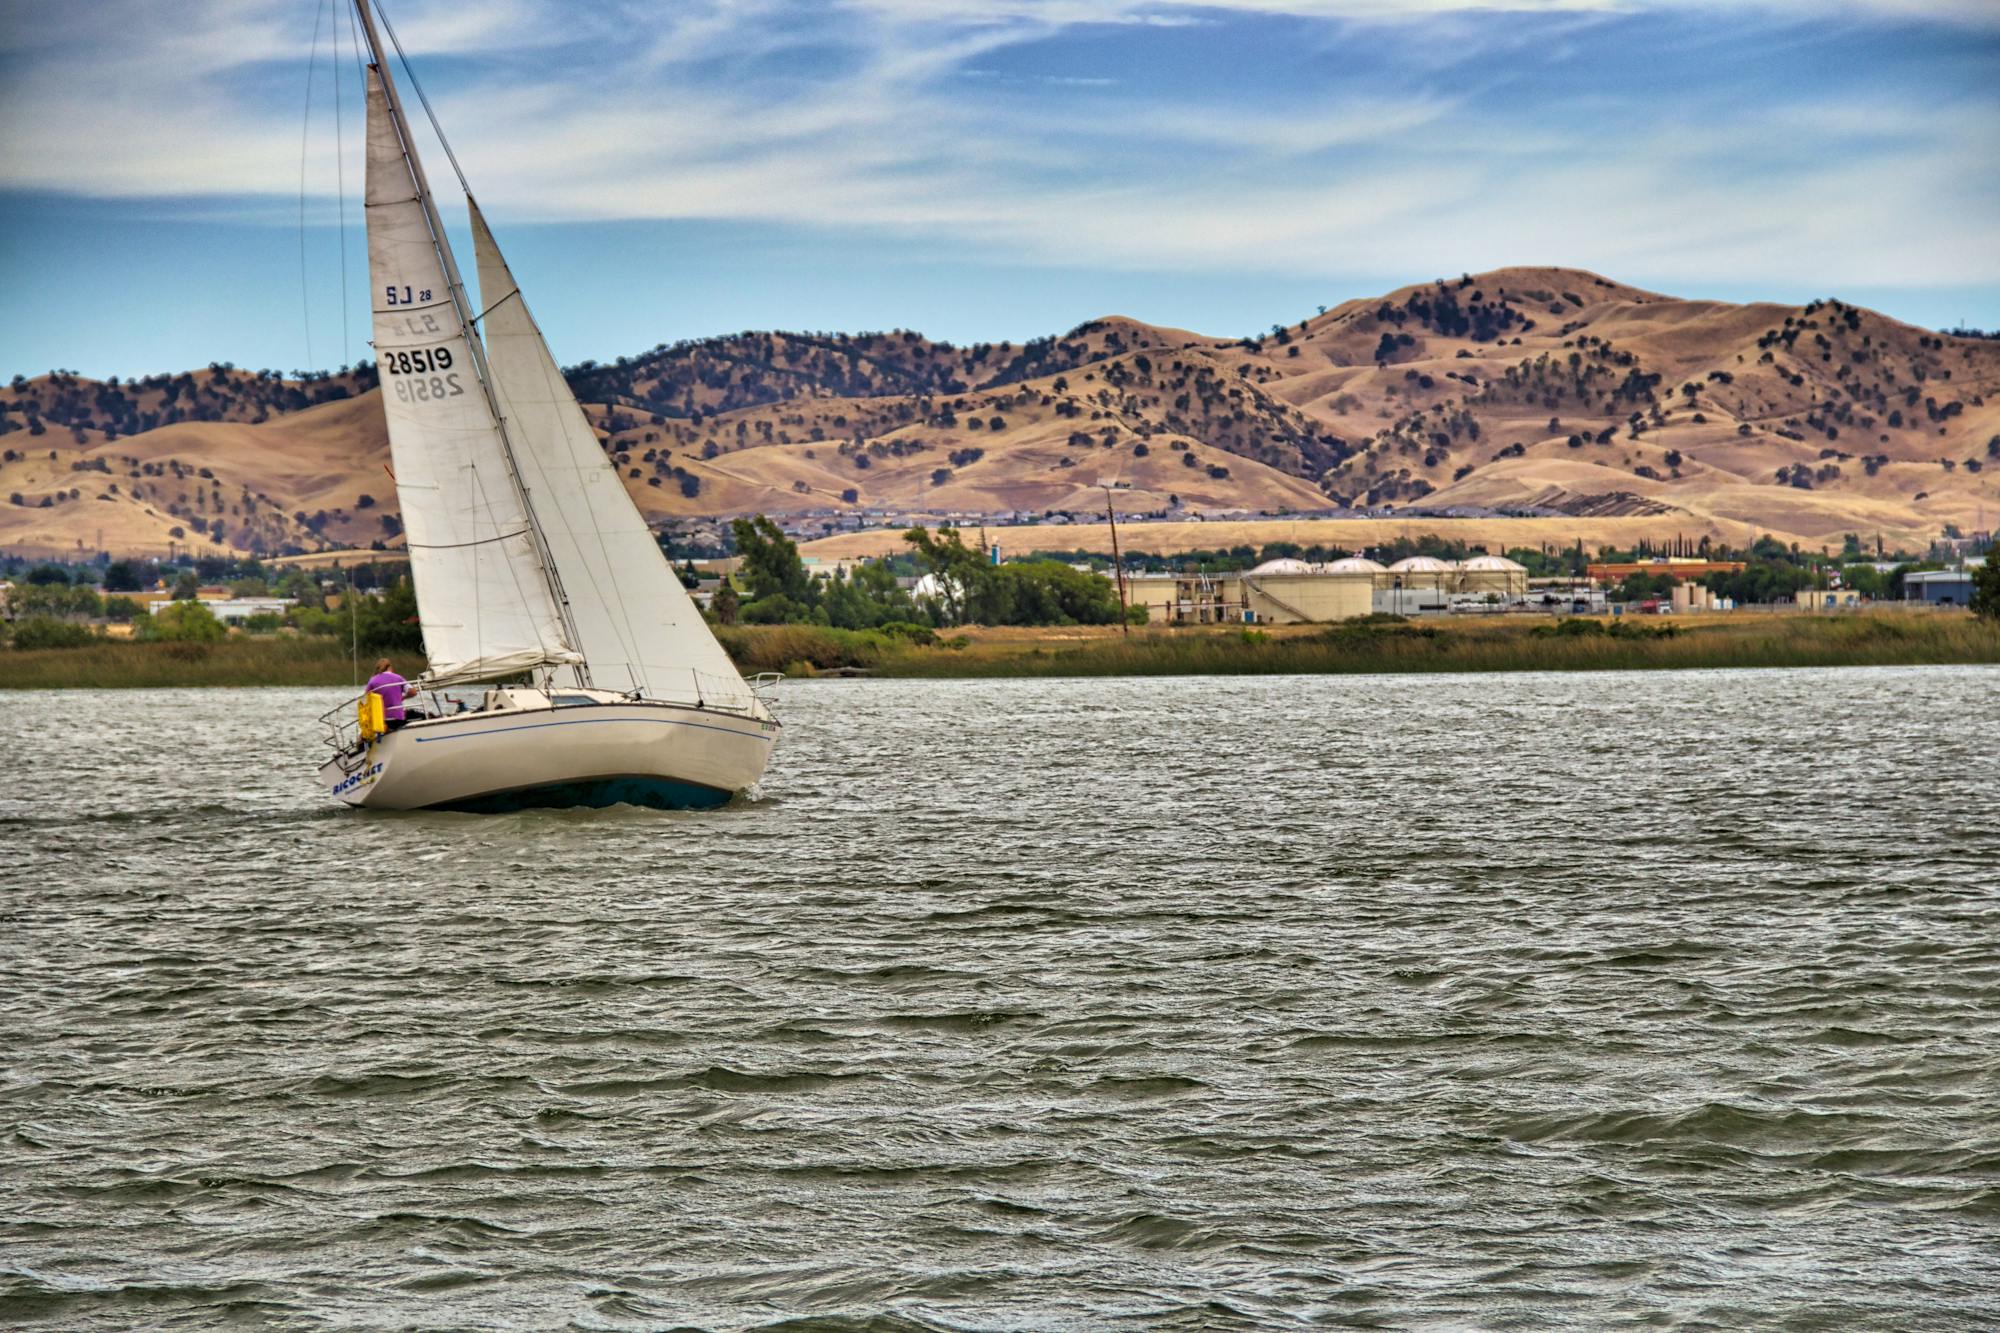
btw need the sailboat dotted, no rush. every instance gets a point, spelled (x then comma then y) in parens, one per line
(567, 664)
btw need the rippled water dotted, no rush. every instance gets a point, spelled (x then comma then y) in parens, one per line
(1504, 1001)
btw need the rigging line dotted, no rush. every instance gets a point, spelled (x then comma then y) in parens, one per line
(340, 179)
(305, 138)
(496, 305)
(422, 98)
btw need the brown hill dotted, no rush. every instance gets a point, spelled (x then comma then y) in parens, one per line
(1541, 392)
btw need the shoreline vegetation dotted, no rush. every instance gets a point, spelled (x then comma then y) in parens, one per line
(1377, 644)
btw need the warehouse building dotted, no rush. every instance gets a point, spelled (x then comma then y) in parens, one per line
(1938, 587)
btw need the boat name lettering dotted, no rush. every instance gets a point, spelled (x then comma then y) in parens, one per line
(353, 780)
(402, 295)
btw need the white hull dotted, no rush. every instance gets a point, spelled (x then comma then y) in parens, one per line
(656, 754)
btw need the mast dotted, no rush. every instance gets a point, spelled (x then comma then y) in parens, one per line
(1118, 565)
(462, 304)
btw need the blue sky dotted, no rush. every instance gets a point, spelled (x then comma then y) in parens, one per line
(988, 169)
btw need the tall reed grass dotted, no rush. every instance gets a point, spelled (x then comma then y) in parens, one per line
(242, 660)
(1882, 639)
(1790, 641)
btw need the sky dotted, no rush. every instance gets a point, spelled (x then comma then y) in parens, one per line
(174, 177)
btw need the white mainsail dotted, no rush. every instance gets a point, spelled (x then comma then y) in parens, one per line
(488, 604)
(636, 625)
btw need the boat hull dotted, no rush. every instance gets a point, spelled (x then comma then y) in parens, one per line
(665, 756)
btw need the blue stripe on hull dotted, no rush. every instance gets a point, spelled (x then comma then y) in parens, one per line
(596, 794)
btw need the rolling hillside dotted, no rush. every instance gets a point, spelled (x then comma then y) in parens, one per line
(1545, 393)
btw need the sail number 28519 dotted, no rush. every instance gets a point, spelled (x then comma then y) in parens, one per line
(417, 361)
(421, 374)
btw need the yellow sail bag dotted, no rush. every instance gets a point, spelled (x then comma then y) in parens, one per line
(368, 713)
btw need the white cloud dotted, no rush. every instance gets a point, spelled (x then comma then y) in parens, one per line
(1067, 12)
(886, 133)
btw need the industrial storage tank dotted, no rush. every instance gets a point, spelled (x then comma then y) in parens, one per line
(1352, 564)
(1414, 584)
(1283, 565)
(1493, 573)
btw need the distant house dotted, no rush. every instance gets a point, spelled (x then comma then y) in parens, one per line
(232, 610)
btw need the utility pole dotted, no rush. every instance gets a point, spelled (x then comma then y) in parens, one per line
(1117, 563)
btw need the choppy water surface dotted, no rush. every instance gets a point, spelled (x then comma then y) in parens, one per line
(1504, 1001)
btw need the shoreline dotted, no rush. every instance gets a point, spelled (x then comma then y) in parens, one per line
(1373, 646)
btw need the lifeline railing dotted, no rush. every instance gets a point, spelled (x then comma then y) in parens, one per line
(343, 725)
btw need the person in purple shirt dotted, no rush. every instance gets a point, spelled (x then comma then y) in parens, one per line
(389, 685)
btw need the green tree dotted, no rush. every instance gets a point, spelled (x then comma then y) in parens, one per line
(187, 587)
(1045, 592)
(868, 597)
(1866, 580)
(181, 622)
(62, 601)
(771, 565)
(387, 622)
(122, 576)
(1761, 581)
(965, 580)
(33, 632)
(1986, 586)
(302, 588)
(1641, 586)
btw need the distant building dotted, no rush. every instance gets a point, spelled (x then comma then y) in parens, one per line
(1288, 591)
(1278, 592)
(1678, 567)
(1493, 573)
(1423, 583)
(1824, 599)
(1417, 584)
(1938, 587)
(232, 610)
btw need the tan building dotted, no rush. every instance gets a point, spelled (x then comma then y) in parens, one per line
(1825, 599)
(1278, 592)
